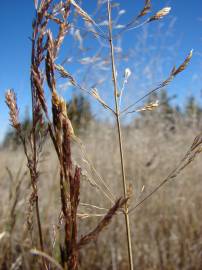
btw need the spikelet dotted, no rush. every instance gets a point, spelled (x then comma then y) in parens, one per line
(59, 110)
(96, 95)
(149, 107)
(38, 83)
(127, 74)
(160, 14)
(175, 71)
(65, 74)
(146, 9)
(50, 58)
(63, 107)
(183, 65)
(55, 99)
(61, 35)
(12, 105)
(56, 117)
(82, 13)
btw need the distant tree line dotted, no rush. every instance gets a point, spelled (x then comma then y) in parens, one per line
(80, 114)
(170, 115)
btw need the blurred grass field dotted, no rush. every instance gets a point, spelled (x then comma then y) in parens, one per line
(166, 230)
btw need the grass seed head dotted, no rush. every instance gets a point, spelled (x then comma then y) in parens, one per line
(127, 73)
(150, 107)
(146, 9)
(12, 105)
(183, 65)
(160, 14)
(65, 74)
(81, 12)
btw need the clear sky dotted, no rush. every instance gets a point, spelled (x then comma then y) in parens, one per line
(15, 26)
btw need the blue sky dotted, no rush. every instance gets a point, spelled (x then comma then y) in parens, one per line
(16, 19)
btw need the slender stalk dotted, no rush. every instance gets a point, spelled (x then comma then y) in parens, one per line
(127, 220)
(33, 168)
(34, 180)
(39, 224)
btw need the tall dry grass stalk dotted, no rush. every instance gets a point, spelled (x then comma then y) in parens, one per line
(159, 15)
(114, 78)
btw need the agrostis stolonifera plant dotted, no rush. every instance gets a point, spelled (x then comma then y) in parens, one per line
(44, 70)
